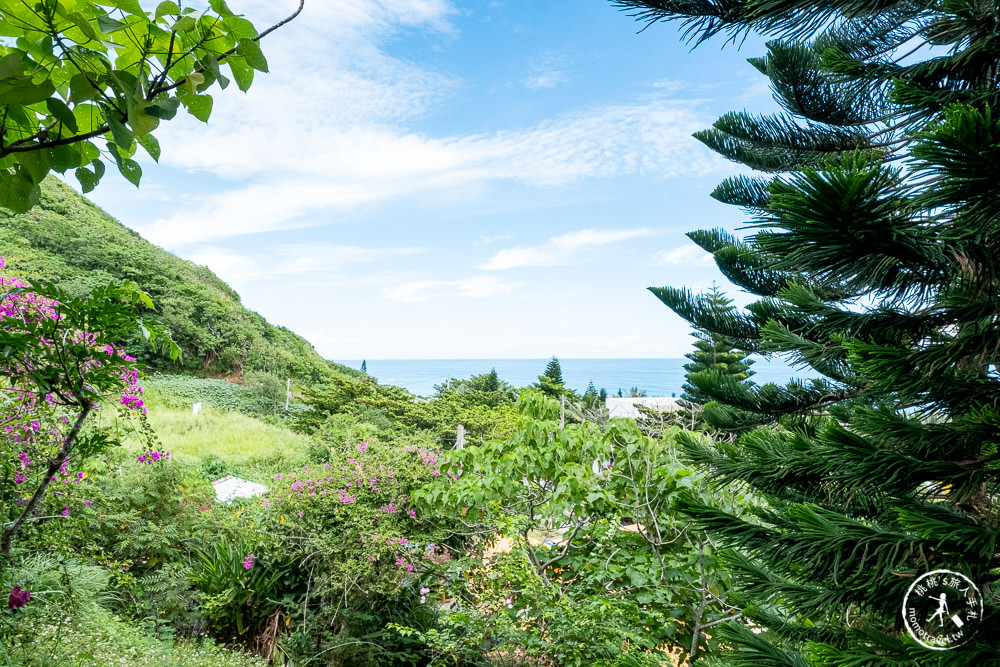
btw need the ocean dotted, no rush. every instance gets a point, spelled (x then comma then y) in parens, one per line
(657, 377)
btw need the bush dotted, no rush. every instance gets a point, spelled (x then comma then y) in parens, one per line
(361, 548)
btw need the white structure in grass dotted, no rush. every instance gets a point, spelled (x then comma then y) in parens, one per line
(230, 487)
(625, 407)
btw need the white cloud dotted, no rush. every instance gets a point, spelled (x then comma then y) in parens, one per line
(560, 250)
(548, 79)
(315, 172)
(551, 69)
(476, 287)
(688, 255)
(670, 85)
(324, 132)
(290, 260)
(486, 240)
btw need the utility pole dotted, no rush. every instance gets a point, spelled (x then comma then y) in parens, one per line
(562, 411)
(288, 393)
(460, 437)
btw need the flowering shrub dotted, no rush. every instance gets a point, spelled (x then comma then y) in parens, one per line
(362, 545)
(60, 366)
(153, 457)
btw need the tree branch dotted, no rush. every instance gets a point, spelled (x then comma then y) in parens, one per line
(14, 526)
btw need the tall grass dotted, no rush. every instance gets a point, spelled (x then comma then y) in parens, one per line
(251, 448)
(98, 638)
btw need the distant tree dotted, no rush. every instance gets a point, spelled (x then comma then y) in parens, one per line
(635, 392)
(486, 382)
(590, 396)
(553, 370)
(551, 381)
(714, 356)
(486, 389)
(603, 395)
(364, 366)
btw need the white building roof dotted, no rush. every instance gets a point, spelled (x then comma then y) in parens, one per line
(625, 407)
(230, 487)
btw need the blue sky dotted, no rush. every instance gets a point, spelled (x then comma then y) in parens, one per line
(452, 179)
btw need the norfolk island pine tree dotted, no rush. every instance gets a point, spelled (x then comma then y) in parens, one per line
(877, 267)
(713, 353)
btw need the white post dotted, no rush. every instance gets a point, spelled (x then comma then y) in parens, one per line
(288, 393)
(562, 411)
(460, 437)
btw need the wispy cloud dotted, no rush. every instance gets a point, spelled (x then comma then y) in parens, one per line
(476, 287)
(486, 240)
(290, 260)
(688, 255)
(548, 71)
(670, 85)
(315, 173)
(561, 250)
(322, 136)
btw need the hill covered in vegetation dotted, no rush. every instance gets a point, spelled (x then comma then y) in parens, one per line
(69, 241)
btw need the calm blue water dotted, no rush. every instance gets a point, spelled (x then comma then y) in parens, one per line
(659, 377)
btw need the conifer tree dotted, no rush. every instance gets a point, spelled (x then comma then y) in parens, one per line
(553, 371)
(551, 381)
(713, 354)
(877, 264)
(590, 395)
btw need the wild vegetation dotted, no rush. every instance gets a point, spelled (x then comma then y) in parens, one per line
(68, 241)
(785, 527)
(876, 263)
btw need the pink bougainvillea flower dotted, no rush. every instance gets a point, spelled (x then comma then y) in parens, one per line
(18, 598)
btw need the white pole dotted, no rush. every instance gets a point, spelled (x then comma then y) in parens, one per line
(288, 393)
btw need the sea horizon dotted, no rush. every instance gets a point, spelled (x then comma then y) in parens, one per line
(662, 376)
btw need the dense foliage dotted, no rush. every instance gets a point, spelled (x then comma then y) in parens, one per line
(70, 242)
(876, 264)
(572, 553)
(59, 366)
(348, 408)
(75, 71)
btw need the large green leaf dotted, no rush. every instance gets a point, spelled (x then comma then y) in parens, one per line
(199, 106)
(242, 73)
(250, 50)
(62, 113)
(122, 135)
(151, 144)
(24, 91)
(16, 193)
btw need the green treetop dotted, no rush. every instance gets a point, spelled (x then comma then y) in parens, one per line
(81, 80)
(877, 265)
(551, 381)
(713, 355)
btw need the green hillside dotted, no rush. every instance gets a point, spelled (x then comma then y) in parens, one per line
(71, 242)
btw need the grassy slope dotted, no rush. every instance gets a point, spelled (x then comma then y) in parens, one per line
(254, 448)
(71, 242)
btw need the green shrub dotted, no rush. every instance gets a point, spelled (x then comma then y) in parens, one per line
(100, 639)
(241, 581)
